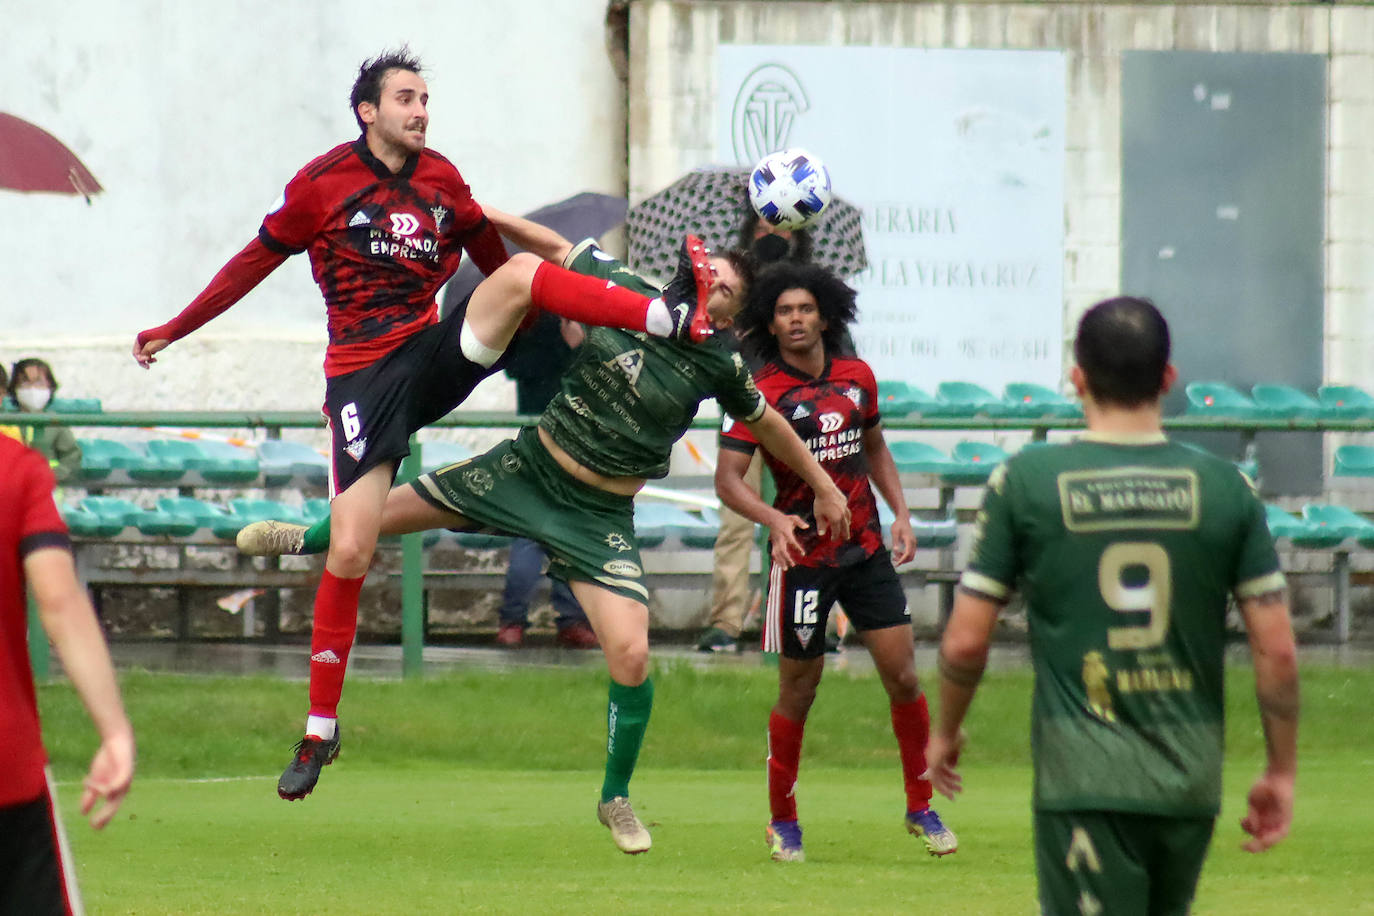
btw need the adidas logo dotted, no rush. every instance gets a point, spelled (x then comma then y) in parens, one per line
(327, 657)
(359, 219)
(800, 412)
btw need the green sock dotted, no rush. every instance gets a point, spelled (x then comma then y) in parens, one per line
(317, 537)
(627, 716)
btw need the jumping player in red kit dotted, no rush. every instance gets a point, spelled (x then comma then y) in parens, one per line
(796, 318)
(385, 220)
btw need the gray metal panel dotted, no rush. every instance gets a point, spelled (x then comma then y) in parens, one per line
(1222, 159)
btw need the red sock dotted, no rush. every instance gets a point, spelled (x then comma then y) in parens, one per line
(911, 725)
(590, 300)
(784, 758)
(331, 638)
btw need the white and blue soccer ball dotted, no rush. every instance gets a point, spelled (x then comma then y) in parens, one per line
(790, 189)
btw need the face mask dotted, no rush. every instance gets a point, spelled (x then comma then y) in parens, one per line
(768, 248)
(33, 399)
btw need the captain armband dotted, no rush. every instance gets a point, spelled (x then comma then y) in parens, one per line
(960, 674)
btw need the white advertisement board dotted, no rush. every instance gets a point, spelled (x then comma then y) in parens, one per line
(956, 159)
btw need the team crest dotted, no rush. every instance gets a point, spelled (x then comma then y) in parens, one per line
(438, 213)
(631, 362)
(478, 480)
(856, 395)
(356, 448)
(617, 541)
(804, 635)
(510, 463)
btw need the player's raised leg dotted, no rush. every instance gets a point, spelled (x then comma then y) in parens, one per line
(894, 658)
(622, 625)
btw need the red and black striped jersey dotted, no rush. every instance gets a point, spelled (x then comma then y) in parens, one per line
(31, 522)
(830, 414)
(380, 244)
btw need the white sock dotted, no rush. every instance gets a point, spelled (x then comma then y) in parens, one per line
(658, 321)
(321, 726)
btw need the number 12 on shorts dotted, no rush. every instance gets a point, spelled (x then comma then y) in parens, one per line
(804, 604)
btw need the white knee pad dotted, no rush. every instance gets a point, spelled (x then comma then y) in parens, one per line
(474, 349)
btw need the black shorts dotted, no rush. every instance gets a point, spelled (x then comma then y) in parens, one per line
(799, 602)
(36, 877)
(372, 412)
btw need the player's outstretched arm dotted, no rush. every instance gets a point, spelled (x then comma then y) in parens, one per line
(731, 466)
(777, 436)
(963, 656)
(69, 620)
(529, 235)
(1275, 655)
(235, 279)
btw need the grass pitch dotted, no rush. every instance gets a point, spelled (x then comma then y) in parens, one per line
(476, 793)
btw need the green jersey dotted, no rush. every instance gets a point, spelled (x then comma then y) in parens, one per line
(1126, 552)
(629, 396)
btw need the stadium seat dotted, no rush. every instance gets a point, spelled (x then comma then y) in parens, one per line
(112, 509)
(1344, 402)
(930, 534)
(965, 399)
(84, 523)
(650, 530)
(703, 532)
(217, 462)
(95, 462)
(198, 512)
(246, 511)
(973, 463)
(1285, 401)
(1221, 400)
(312, 510)
(75, 405)
(1298, 531)
(1341, 521)
(133, 460)
(1025, 399)
(898, 399)
(284, 461)
(115, 510)
(1354, 461)
(440, 454)
(673, 521)
(919, 457)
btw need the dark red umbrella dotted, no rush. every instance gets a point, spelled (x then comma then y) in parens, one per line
(31, 159)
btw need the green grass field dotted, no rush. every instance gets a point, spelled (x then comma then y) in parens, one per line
(477, 792)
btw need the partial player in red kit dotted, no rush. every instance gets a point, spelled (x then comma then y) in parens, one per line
(384, 221)
(36, 871)
(796, 318)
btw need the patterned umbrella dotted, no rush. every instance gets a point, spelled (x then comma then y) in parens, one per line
(713, 203)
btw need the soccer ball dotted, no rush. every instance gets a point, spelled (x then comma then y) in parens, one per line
(790, 189)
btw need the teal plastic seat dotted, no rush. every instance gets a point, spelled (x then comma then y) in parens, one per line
(313, 510)
(1221, 400)
(436, 455)
(1026, 399)
(661, 521)
(112, 509)
(133, 460)
(965, 399)
(1341, 521)
(95, 461)
(75, 405)
(1354, 461)
(197, 512)
(246, 511)
(217, 462)
(285, 461)
(83, 523)
(973, 463)
(650, 530)
(1285, 401)
(702, 531)
(919, 457)
(1344, 402)
(899, 399)
(1298, 531)
(930, 534)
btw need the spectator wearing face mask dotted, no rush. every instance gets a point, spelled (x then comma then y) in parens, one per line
(32, 386)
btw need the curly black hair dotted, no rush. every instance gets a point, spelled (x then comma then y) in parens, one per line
(835, 299)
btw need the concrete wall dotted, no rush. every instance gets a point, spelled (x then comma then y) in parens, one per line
(193, 116)
(672, 94)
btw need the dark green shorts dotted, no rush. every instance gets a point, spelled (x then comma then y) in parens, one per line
(1111, 862)
(517, 488)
